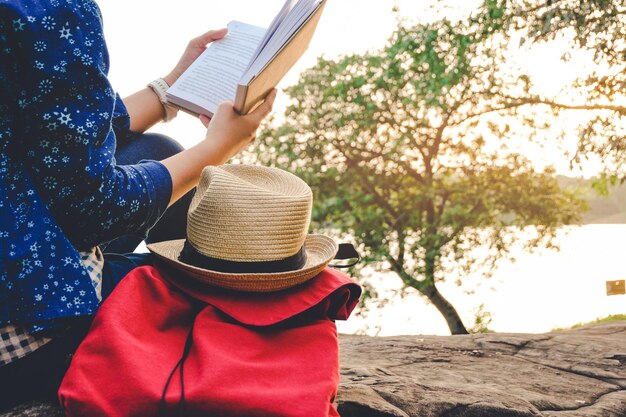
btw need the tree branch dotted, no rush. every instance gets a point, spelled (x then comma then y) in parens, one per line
(380, 200)
(520, 102)
(406, 278)
(533, 101)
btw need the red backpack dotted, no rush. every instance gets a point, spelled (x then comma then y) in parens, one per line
(162, 344)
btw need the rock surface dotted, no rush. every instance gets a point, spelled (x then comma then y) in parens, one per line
(575, 373)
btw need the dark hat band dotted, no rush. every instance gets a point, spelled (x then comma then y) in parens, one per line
(191, 256)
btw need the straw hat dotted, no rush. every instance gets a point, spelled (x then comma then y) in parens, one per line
(247, 230)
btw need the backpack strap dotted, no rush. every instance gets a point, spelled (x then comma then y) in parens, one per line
(346, 251)
(180, 365)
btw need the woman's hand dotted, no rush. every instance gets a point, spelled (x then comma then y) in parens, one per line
(195, 47)
(229, 132)
(144, 107)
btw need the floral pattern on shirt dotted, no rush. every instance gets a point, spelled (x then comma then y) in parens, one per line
(60, 189)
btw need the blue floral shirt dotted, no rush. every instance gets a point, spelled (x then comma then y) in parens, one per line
(60, 189)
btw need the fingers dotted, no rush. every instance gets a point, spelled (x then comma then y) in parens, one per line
(210, 36)
(226, 106)
(205, 120)
(264, 108)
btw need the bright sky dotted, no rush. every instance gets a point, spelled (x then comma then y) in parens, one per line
(146, 38)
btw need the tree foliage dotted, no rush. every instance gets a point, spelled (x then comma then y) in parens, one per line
(597, 26)
(403, 154)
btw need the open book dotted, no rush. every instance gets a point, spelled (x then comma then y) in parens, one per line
(248, 62)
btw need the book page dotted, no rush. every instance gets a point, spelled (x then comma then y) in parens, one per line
(214, 76)
(295, 18)
(273, 26)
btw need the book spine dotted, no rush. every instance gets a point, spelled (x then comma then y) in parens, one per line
(240, 99)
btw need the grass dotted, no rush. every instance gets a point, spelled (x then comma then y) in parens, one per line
(613, 317)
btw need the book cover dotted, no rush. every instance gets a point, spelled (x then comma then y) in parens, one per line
(248, 96)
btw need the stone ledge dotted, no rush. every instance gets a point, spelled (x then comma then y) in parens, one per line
(574, 373)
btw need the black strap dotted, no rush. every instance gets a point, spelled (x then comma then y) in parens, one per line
(191, 256)
(181, 366)
(346, 251)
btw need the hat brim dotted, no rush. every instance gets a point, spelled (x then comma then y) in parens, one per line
(320, 250)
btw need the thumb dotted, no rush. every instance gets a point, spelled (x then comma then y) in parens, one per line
(210, 36)
(265, 108)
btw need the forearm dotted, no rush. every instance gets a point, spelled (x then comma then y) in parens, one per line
(185, 167)
(144, 108)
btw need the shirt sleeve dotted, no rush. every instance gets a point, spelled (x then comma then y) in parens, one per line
(68, 114)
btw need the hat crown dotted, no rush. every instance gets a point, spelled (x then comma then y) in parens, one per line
(249, 213)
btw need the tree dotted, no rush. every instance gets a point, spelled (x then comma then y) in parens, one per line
(403, 153)
(598, 26)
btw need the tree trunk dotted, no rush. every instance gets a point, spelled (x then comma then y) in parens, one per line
(446, 309)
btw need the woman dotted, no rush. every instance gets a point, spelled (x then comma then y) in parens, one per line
(63, 193)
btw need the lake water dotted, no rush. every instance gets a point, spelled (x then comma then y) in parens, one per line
(539, 292)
